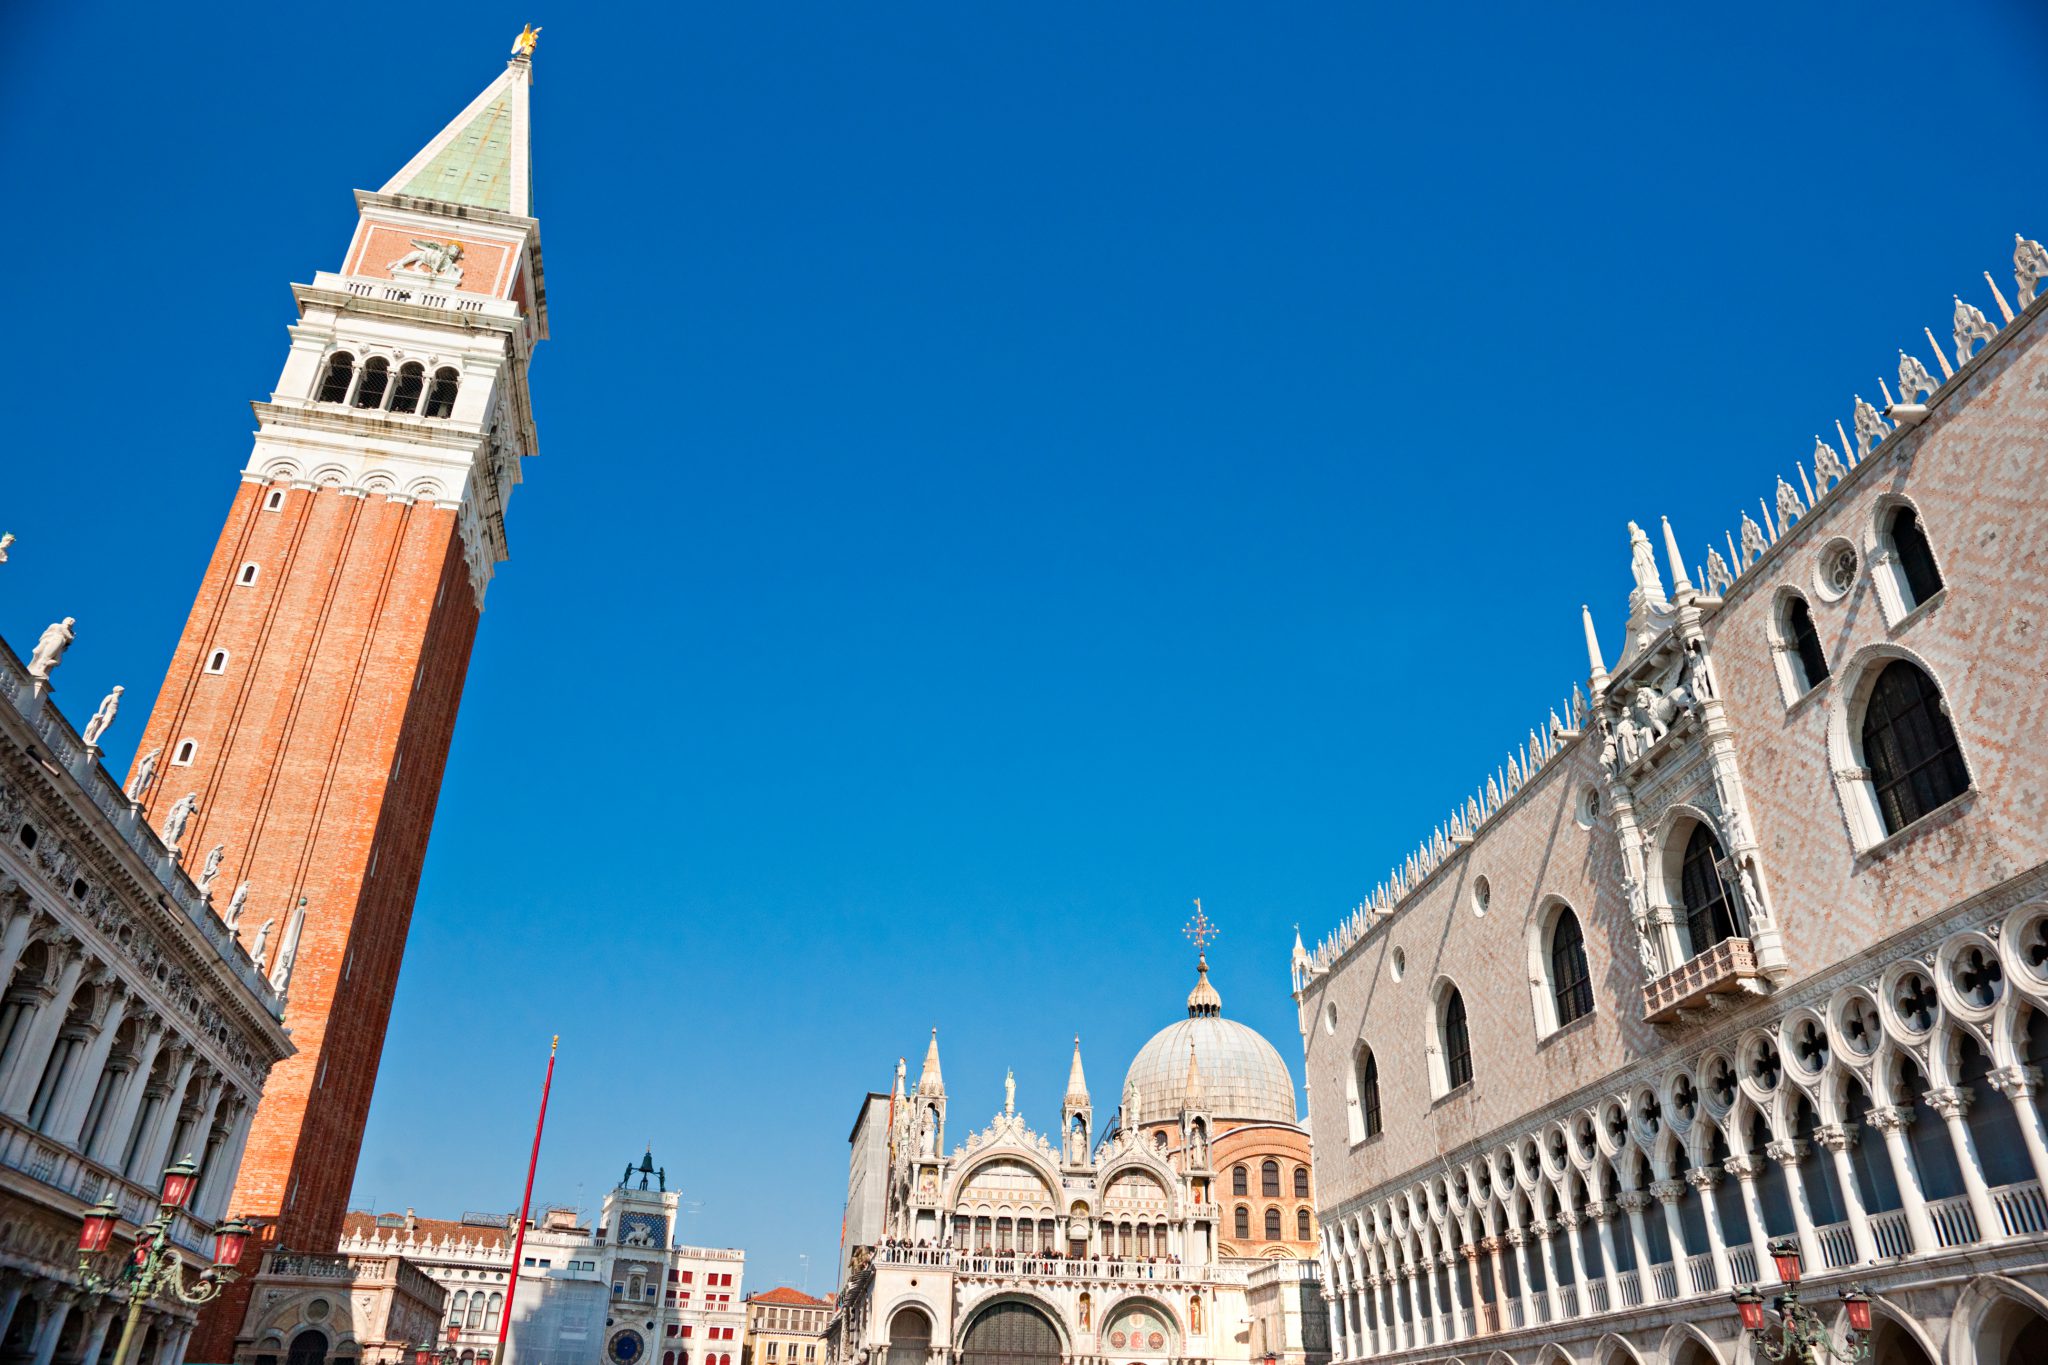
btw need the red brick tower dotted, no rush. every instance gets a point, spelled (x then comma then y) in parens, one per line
(309, 706)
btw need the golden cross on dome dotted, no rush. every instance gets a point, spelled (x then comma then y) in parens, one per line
(1201, 931)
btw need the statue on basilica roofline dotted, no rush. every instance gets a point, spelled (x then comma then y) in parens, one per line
(103, 717)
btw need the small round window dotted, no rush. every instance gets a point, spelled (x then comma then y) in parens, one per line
(1329, 1018)
(1588, 812)
(1397, 963)
(1482, 895)
(1835, 571)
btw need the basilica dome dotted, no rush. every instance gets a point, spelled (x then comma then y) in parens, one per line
(1241, 1075)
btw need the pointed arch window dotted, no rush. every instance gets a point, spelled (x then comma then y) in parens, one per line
(1910, 746)
(341, 371)
(1571, 983)
(1269, 1178)
(1369, 1094)
(1709, 911)
(1915, 557)
(1812, 660)
(1457, 1041)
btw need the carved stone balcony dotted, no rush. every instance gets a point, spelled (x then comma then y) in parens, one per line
(1727, 968)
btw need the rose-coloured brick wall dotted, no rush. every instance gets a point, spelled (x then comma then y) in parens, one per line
(318, 763)
(1976, 471)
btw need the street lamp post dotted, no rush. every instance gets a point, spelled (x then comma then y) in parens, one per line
(1802, 1337)
(155, 1267)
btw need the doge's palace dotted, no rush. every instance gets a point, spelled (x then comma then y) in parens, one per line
(1745, 947)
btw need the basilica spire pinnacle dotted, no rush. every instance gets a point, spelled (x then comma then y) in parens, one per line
(1077, 1084)
(929, 1082)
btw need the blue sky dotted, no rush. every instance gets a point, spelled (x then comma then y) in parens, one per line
(1006, 471)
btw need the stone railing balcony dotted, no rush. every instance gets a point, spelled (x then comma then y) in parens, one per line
(1727, 968)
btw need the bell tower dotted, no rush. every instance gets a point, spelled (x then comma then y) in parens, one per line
(308, 709)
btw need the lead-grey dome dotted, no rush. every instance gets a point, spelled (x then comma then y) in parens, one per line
(1240, 1073)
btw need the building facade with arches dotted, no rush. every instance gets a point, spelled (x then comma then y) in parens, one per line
(1748, 942)
(1137, 1243)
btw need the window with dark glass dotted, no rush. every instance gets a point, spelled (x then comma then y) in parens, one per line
(1269, 1178)
(412, 382)
(1571, 984)
(376, 379)
(1813, 660)
(1709, 914)
(1301, 1225)
(341, 367)
(1272, 1225)
(1457, 1042)
(1909, 745)
(441, 397)
(1301, 1182)
(1241, 1225)
(1240, 1181)
(1916, 559)
(1369, 1094)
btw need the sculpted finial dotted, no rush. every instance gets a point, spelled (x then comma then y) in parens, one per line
(526, 42)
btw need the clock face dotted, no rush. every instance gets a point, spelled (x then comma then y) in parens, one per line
(627, 1347)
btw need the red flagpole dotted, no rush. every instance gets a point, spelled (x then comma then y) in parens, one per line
(526, 1201)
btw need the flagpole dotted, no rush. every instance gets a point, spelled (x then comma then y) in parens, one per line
(526, 1201)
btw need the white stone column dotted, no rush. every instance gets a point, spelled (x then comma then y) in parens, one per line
(1632, 1203)
(1417, 1323)
(13, 940)
(1500, 1283)
(149, 1157)
(1519, 1240)
(1704, 1179)
(68, 1111)
(1745, 1170)
(1893, 1122)
(2018, 1084)
(41, 1038)
(1582, 1294)
(96, 1337)
(1788, 1153)
(1549, 1269)
(56, 1312)
(1838, 1138)
(220, 1180)
(1952, 1104)
(113, 1136)
(1669, 1193)
(1473, 1324)
(1602, 1214)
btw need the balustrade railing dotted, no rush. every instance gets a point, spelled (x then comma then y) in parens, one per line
(1631, 1283)
(1955, 1223)
(1894, 1237)
(1699, 1271)
(1596, 1296)
(1664, 1276)
(1837, 1245)
(1742, 1265)
(2021, 1208)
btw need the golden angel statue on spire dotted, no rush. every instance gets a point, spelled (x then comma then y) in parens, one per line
(526, 42)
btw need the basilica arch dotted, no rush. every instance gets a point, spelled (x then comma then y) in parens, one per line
(1012, 1331)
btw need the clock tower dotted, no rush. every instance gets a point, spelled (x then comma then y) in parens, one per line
(309, 706)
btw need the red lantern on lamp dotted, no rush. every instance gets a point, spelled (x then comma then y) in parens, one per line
(178, 1183)
(1751, 1305)
(424, 1354)
(1785, 1256)
(454, 1332)
(1858, 1304)
(228, 1240)
(98, 1228)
